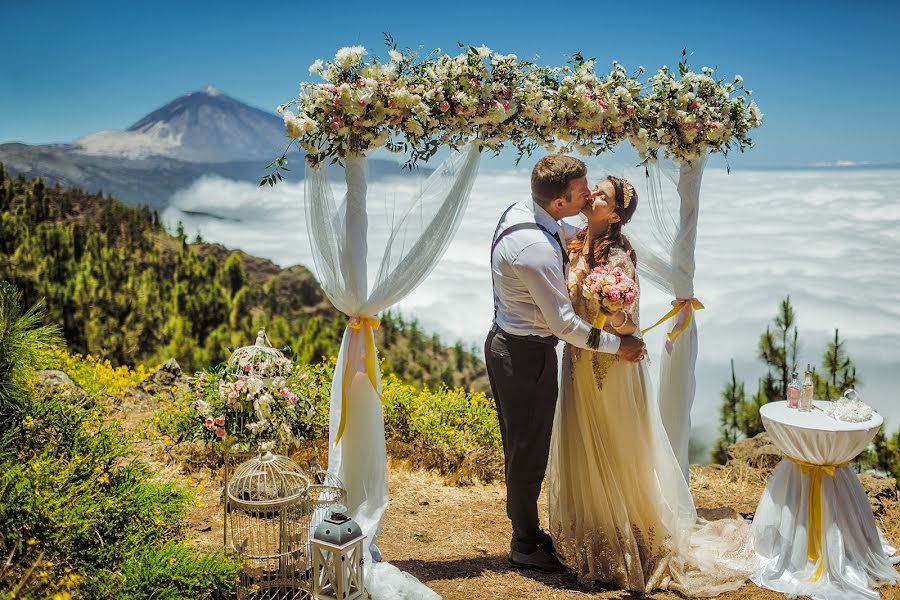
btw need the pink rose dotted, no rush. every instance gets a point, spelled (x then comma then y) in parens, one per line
(361, 103)
(203, 376)
(474, 82)
(444, 106)
(617, 271)
(698, 126)
(336, 101)
(506, 105)
(208, 422)
(328, 87)
(613, 293)
(220, 433)
(630, 297)
(360, 82)
(714, 125)
(292, 398)
(392, 104)
(247, 369)
(602, 103)
(220, 421)
(232, 395)
(240, 384)
(629, 109)
(621, 112)
(335, 123)
(573, 122)
(695, 104)
(304, 376)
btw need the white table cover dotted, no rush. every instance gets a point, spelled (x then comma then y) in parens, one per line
(850, 556)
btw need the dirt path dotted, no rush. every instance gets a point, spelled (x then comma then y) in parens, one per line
(455, 539)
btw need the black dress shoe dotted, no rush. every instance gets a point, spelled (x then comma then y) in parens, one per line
(543, 560)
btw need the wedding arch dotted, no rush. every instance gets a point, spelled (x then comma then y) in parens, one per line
(474, 101)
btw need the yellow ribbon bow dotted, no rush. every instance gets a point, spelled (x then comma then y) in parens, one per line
(815, 535)
(684, 308)
(367, 325)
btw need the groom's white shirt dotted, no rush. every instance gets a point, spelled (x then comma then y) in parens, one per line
(529, 283)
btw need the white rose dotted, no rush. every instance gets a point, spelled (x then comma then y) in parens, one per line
(316, 67)
(254, 385)
(349, 56)
(395, 55)
(483, 51)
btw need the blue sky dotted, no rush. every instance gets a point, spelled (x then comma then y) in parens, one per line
(824, 73)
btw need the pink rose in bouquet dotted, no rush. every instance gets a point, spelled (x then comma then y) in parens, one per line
(613, 289)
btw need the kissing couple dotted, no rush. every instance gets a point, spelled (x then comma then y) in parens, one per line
(621, 512)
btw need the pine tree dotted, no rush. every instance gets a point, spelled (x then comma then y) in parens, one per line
(733, 398)
(839, 371)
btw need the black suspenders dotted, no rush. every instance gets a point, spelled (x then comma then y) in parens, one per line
(518, 227)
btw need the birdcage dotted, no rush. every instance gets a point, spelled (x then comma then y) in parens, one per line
(268, 369)
(268, 508)
(261, 360)
(325, 490)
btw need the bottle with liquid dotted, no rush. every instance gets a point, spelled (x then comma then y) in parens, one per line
(793, 392)
(806, 393)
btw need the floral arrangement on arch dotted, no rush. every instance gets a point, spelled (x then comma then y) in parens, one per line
(416, 105)
(252, 401)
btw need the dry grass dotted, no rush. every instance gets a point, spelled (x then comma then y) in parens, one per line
(455, 538)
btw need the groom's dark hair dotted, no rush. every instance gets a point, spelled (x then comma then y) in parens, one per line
(551, 176)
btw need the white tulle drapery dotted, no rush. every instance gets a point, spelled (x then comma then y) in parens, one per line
(666, 259)
(340, 243)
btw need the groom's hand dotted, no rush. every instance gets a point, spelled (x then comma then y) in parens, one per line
(631, 348)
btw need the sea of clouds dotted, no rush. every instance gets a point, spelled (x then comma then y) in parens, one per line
(829, 238)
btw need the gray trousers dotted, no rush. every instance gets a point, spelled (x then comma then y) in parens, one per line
(523, 381)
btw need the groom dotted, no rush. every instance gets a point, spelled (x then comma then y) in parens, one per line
(529, 262)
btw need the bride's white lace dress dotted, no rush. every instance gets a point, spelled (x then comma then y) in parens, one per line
(621, 512)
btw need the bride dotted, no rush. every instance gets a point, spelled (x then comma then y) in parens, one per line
(621, 512)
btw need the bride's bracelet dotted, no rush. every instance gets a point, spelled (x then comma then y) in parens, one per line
(620, 325)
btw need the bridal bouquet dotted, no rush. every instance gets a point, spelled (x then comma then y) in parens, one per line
(613, 289)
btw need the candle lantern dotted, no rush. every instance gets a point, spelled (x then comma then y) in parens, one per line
(337, 557)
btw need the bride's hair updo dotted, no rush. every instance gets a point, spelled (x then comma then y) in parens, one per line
(613, 237)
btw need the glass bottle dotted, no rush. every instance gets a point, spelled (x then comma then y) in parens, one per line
(793, 393)
(806, 393)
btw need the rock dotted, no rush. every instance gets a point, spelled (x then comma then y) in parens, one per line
(167, 381)
(757, 453)
(881, 491)
(717, 514)
(57, 383)
(167, 376)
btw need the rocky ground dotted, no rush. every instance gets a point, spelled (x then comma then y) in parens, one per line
(455, 538)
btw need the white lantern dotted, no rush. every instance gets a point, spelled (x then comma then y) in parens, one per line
(337, 555)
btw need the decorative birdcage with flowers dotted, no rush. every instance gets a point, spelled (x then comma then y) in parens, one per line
(268, 510)
(251, 405)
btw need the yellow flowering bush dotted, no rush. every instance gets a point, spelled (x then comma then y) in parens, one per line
(94, 375)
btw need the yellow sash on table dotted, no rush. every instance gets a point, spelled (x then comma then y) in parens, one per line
(815, 535)
(367, 325)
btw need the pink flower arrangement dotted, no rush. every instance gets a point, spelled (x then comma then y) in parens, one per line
(615, 290)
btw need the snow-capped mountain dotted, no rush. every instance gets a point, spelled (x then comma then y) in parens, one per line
(202, 133)
(206, 127)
